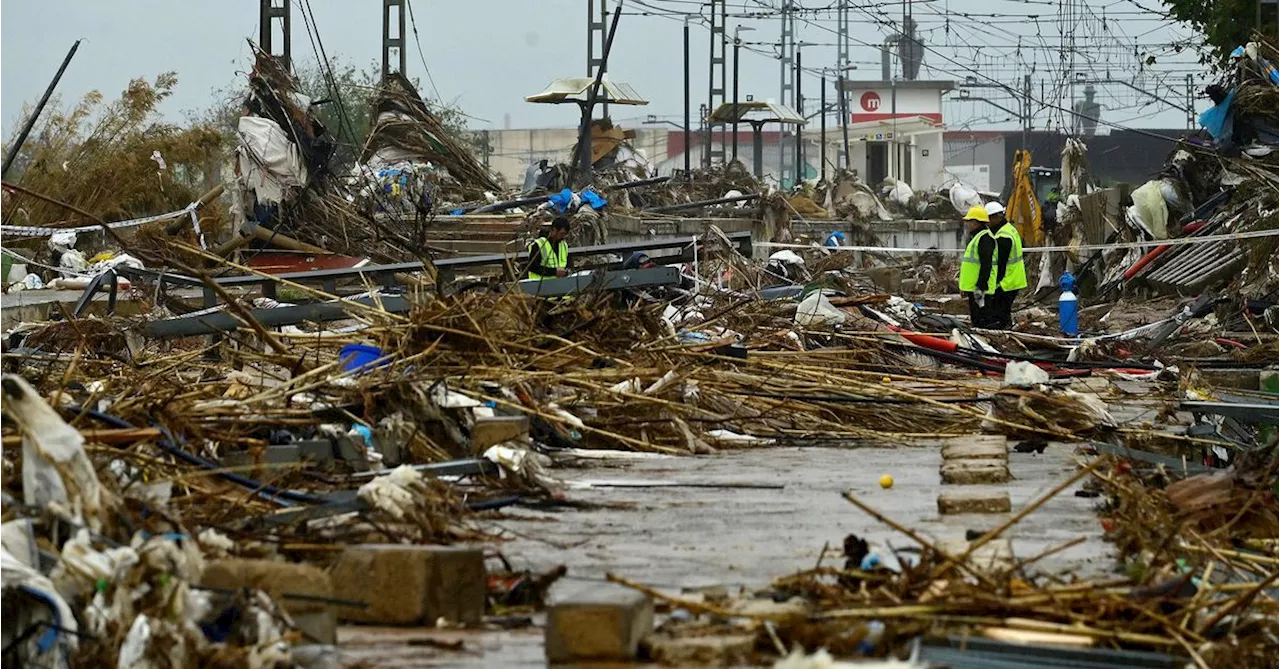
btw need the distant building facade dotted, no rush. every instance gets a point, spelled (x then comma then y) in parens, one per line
(982, 159)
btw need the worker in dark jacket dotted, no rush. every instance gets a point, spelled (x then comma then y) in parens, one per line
(549, 253)
(1011, 273)
(977, 280)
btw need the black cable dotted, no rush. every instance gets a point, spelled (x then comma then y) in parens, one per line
(271, 492)
(1078, 364)
(168, 443)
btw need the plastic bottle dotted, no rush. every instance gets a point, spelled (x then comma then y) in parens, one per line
(1068, 314)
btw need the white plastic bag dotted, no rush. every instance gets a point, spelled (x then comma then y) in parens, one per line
(51, 448)
(816, 310)
(1024, 374)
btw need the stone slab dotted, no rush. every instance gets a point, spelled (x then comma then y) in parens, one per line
(316, 620)
(603, 623)
(985, 447)
(973, 502)
(411, 585)
(972, 472)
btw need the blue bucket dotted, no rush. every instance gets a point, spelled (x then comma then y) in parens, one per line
(356, 356)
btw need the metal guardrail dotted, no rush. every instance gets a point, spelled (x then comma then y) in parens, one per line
(447, 268)
(222, 321)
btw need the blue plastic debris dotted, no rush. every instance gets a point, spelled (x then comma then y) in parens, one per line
(1217, 118)
(357, 356)
(561, 200)
(593, 199)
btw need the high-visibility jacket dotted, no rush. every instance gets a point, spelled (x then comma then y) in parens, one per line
(552, 258)
(1015, 273)
(971, 262)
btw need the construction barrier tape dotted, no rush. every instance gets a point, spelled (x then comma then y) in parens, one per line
(33, 231)
(1180, 241)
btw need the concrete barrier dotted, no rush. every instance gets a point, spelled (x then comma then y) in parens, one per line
(603, 623)
(411, 585)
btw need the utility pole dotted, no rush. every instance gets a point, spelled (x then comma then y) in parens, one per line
(844, 118)
(688, 148)
(1026, 108)
(704, 131)
(269, 13)
(737, 50)
(1191, 99)
(392, 42)
(822, 153)
(842, 65)
(596, 35)
(715, 74)
(799, 129)
(787, 55)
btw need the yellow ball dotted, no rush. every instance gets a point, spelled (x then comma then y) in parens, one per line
(886, 481)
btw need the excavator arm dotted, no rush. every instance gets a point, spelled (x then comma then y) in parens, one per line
(1023, 210)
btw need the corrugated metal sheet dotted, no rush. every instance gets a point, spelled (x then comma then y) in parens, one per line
(1189, 269)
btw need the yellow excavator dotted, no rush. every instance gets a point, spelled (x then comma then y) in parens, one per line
(1023, 207)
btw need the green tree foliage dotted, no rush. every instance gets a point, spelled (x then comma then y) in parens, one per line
(98, 156)
(348, 114)
(1225, 24)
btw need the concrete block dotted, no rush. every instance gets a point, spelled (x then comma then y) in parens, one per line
(730, 650)
(316, 620)
(603, 623)
(969, 472)
(976, 448)
(497, 429)
(973, 502)
(1242, 379)
(410, 585)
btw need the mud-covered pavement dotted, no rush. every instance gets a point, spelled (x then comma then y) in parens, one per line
(674, 537)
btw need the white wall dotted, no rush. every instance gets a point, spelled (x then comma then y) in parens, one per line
(927, 170)
(513, 150)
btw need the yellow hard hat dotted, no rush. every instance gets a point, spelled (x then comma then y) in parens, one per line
(977, 213)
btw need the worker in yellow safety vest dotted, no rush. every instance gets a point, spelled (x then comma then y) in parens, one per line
(1011, 273)
(549, 253)
(977, 280)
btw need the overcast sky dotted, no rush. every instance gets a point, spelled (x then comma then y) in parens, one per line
(488, 54)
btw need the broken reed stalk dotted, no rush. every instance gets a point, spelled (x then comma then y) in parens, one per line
(1050, 551)
(1060, 628)
(925, 543)
(559, 420)
(999, 529)
(1238, 602)
(690, 605)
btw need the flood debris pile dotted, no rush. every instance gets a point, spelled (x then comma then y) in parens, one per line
(1186, 590)
(418, 164)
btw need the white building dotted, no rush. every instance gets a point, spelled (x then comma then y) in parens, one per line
(896, 129)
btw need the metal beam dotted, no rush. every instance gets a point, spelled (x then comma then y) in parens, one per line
(787, 50)
(716, 75)
(271, 12)
(1254, 413)
(741, 240)
(393, 40)
(582, 283)
(318, 312)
